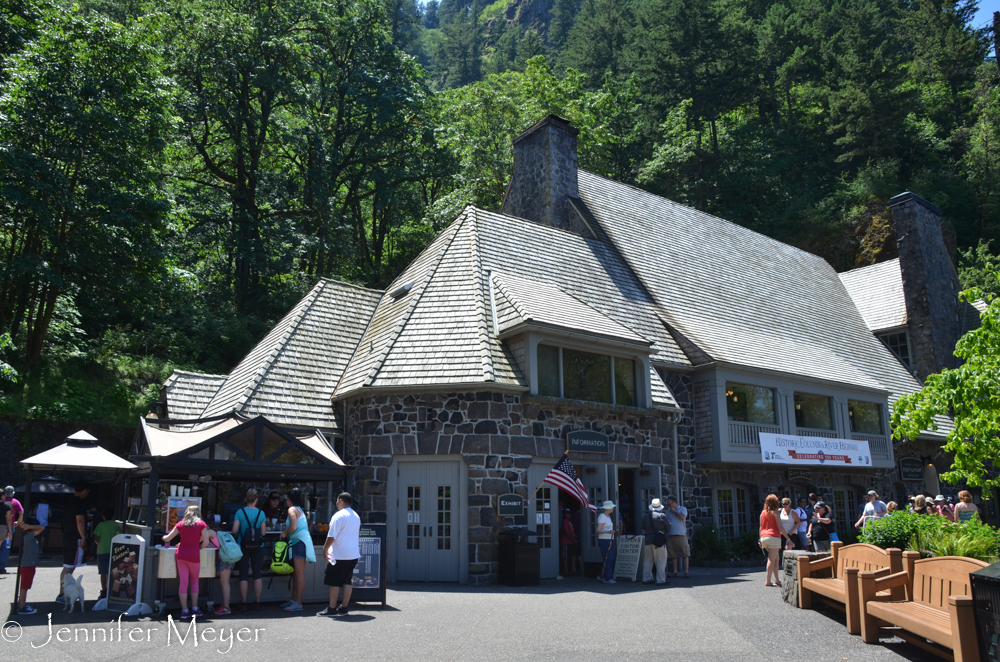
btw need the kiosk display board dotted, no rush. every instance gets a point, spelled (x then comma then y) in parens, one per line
(369, 573)
(630, 550)
(175, 510)
(125, 574)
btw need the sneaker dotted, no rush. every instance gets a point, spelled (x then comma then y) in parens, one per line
(610, 581)
(293, 607)
(284, 604)
(27, 611)
(222, 611)
(341, 612)
(61, 599)
(327, 611)
(559, 576)
(185, 614)
(197, 612)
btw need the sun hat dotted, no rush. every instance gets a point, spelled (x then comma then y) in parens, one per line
(939, 497)
(9, 490)
(656, 505)
(872, 493)
(608, 505)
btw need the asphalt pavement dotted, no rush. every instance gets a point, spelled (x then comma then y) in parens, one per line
(714, 615)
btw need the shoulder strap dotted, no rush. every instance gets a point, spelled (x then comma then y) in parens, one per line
(255, 519)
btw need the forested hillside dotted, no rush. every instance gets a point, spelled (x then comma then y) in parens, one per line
(175, 175)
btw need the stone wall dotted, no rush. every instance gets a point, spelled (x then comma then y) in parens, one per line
(497, 435)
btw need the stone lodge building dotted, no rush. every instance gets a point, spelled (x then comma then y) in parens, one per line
(587, 305)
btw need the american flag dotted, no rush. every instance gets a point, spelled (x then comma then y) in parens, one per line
(563, 476)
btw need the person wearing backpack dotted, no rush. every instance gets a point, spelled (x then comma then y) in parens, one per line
(655, 527)
(248, 527)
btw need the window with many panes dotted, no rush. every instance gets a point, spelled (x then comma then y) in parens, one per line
(732, 510)
(750, 404)
(813, 411)
(866, 417)
(577, 375)
(898, 344)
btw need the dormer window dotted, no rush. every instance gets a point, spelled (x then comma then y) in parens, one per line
(578, 375)
(898, 344)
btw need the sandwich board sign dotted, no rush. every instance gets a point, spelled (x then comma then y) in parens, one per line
(125, 574)
(630, 550)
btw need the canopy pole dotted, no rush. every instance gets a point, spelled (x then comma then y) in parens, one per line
(20, 552)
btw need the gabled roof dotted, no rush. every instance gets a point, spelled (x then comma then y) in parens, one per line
(543, 304)
(290, 375)
(877, 291)
(440, 331)
(188, 393)
(740, 297)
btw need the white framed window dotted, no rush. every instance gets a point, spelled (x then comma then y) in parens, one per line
(579, 375)
(866, 417)
(813, 411)
(746, 403)
(732, 510)
(846, 500)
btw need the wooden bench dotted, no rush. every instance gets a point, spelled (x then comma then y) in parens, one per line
(938, 605)
(846, 563)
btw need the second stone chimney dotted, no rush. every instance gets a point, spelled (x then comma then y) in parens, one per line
(930, 285)
(544, 177)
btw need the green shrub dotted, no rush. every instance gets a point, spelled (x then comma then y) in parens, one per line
(708, 545)
(897, 530)
(746, 545)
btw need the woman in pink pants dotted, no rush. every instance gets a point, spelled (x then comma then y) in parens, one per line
(194, 535)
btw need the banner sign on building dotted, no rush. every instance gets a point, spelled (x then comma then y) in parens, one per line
(788, 449)
(587, 441)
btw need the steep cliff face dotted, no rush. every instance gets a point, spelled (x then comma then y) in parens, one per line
(530, 14)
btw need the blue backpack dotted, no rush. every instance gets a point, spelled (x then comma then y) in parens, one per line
(229, 549)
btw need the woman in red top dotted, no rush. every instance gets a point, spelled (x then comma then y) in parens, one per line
(770, 537)
(194, 535)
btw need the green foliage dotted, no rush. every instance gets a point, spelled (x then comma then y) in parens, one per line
(708, 545)
(933, 535)
(7, 371)
(969, 394)
(746, 545)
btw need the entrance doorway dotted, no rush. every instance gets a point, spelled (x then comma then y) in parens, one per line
(428, 535)
(627, 505)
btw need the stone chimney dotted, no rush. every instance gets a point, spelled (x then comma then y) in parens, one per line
(930, 285)
(544, 176)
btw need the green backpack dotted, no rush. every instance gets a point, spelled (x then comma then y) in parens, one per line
(281, 561)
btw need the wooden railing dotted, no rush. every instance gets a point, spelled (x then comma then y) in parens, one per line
(878, 443)
(808, 432)
(748, 434)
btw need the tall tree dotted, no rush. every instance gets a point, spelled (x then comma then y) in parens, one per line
(85, 122)
(596, 44)
(458, 59)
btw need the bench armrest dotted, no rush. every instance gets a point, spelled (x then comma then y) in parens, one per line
(878, 574)
(819, 564)
(883, 583)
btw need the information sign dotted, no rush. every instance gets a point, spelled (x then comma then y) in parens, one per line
(629, 553)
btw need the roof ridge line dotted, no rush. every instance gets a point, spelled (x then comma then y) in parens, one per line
(279, 346)
(502, 286)
(584, 303)
(485, 354)
(398, 329)
(349, 284)
(195, 372)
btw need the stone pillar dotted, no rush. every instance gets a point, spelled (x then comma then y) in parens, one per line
(545, 176)
(790, 573)
(930, 285)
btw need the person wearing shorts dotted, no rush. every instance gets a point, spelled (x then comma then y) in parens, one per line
(342, 552)
(247, 518)
(677, 541)
(74, 531)
(29, 560)
(103, 533)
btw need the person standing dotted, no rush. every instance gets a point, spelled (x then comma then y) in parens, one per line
(965, 510)
(804, 511)
(42, 515)
(943, 508)
(920, 505)
(29, 561)
(789, 521)
(567, 544)
(103, 533)
(6, 532)
(770, 538)
(821, 526)
(194, 536)
(248, 519)
(16, 509)
(873, 510)
(655, 525)
(677, 541)
(342, 546)
(74, 531)
(299, 545)
(605, 541)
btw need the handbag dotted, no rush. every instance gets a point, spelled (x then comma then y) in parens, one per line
(834, 537)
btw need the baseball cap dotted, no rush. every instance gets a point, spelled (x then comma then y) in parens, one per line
(872, 493)
(9, 490)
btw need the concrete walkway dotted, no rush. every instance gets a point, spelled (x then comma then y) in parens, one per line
(715, 615)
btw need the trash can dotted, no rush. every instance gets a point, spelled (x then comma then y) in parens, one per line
(519, 559)
(986, 598)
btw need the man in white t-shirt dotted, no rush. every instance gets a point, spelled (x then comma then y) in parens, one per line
(342, 553)
(605, 541)
(874, 509)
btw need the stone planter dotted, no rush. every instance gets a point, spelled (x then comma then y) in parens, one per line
(790, 573)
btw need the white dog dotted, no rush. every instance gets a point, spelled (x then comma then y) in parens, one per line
(72, 592)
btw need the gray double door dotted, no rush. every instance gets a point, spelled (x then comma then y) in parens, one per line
(427, 525)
